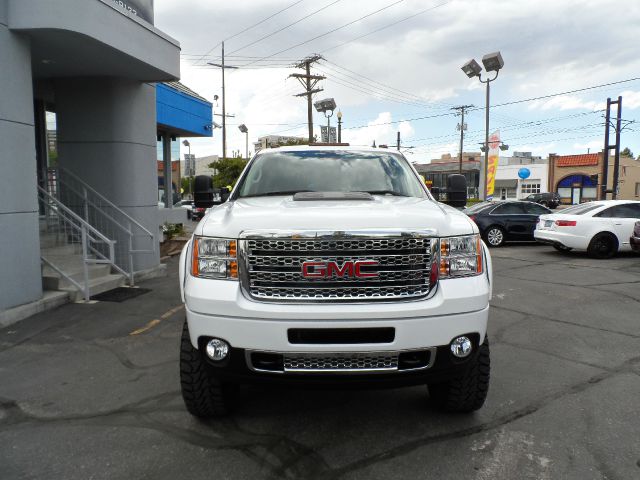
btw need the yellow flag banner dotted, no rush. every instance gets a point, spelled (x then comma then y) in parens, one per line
(492, 165)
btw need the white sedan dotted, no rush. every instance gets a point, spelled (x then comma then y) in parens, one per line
(602, 228)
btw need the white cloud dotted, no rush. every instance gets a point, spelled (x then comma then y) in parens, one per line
(567, 102)
(630, 99)
(593, 146)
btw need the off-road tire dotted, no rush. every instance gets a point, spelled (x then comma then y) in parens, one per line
(467, 392)
(203, 394)
(489, 236)
(603, 245)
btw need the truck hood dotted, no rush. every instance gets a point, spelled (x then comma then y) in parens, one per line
(283, 213)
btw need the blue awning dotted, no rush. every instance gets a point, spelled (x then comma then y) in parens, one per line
(181, 112)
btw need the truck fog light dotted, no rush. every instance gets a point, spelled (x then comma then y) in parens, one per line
(461, 347)
(217, 349)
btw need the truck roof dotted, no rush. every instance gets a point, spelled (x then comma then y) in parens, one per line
(348, 148)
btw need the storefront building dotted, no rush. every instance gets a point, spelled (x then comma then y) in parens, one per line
(510, 184)
(94, 63)
(577, 178)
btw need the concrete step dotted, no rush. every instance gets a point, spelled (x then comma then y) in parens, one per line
(58, 250)
(52, 280)
(96, 286)
(52, 239)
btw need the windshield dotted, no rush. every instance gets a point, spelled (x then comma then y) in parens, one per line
(286, 173)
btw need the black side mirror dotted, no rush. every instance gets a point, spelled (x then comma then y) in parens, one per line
(456, 191)
(203, 191)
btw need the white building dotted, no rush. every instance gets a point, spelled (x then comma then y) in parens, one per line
(202, 165)
(509, 185)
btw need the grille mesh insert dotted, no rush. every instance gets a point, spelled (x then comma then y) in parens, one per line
(399, 270)
(338, 361)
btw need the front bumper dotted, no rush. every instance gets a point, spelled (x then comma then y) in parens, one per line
(272, 334)
(236, 368)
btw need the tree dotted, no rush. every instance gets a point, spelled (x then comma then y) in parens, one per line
(626, 153)
(186, 183)
(228, 171)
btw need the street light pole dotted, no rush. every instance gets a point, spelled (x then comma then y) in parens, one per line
(187, 144)
(243, 128)
(339, 115)
(492, 63)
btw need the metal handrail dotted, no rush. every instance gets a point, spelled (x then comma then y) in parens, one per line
(74, 215)
(97, 209)
(104, 199)
(88, 234)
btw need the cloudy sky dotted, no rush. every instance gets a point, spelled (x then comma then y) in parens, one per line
(398, 68)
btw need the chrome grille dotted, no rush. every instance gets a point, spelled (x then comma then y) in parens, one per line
(272, 267)
(336, 362)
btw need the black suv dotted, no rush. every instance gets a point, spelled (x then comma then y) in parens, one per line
(549, 199)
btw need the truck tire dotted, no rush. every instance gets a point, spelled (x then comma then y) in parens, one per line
(467, 392)
(203, 394)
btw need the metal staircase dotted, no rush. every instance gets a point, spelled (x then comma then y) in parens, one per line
(88, 244)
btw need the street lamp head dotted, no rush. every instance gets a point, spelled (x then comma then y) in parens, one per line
(186, 143)
(339, 115)
(243, 128)
(328, 104)
(472, 68)
(492, 62)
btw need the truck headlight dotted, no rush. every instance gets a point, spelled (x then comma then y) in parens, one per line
(460, 256)
(214, 258)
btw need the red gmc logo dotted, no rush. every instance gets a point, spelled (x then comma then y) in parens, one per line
(331, 269)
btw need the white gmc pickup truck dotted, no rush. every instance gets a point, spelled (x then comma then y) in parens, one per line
(334, 266)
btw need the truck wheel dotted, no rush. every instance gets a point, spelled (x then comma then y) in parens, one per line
(203, 395)
(467, 392)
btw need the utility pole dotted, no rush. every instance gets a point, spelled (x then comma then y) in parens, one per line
(308, 82)
(222, 66)
(608, 147)
(462, 127)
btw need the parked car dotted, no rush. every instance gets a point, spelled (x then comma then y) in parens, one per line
(187, 205)
(505, 221)
(548, 199)
(634, 241)
(601, 228)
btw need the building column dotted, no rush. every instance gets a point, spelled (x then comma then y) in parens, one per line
(19, 240)
(107, 137)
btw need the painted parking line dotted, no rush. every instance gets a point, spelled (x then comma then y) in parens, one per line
(156, 321)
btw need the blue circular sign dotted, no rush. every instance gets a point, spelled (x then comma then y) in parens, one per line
(524, 173)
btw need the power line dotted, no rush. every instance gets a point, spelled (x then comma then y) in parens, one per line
(388, 87)
(388, 26)
(336, 29)
(286, 26)
(252, 26)
(542, 97)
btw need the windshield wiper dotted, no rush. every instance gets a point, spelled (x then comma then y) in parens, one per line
(276, 193)
(386, 192)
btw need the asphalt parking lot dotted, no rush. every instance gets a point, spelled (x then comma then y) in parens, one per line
(92, 391)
